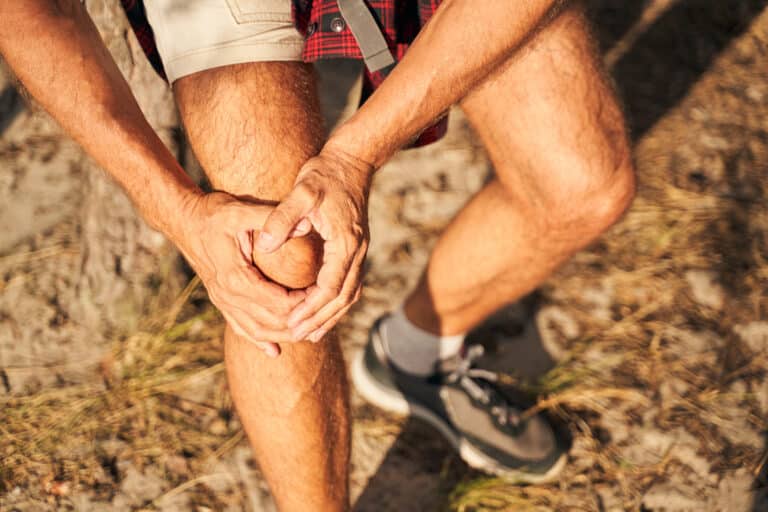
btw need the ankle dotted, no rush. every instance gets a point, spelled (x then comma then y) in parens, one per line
(418, 309)
(413, 349)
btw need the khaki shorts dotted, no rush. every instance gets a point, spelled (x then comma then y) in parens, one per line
(195, 35)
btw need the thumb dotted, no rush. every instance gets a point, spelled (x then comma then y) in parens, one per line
(285, 219)
(249, 217)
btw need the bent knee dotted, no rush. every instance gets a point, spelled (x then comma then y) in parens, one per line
(607, 196)
(579, 195)
(295, 264)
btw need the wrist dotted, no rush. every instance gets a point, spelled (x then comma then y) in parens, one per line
(180, 209)
(342, 150)
(355, 139)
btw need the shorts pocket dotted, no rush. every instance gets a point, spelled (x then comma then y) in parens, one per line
(261, 11)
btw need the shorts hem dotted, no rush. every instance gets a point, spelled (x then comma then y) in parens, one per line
(218, 56)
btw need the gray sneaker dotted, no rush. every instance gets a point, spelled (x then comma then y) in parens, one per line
(463, 403)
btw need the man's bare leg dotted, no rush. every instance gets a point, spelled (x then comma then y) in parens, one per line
(252, 126)
(556, 136)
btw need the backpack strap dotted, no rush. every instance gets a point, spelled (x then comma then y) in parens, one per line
(367, 33)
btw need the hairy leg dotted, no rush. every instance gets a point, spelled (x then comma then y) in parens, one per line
(556, 136)
(252, 126)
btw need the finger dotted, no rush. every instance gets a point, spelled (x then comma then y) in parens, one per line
(243, 219)
(346, 297)
(330, 324)
(243, 216)
(245, 243)
(286, 216)
(252, 288)
(270, 349)
(255, 323)
(254, 307)
(259, 333)
(337, 259)
(326, 315)
(302, 228)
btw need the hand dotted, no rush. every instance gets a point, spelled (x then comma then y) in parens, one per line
(331, 193)
(217, 240)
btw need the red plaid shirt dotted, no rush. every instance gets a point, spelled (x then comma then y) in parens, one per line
(400, 21)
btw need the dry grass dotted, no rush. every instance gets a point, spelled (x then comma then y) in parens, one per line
(63, 434)
(623, 364)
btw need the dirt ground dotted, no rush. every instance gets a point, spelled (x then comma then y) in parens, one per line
(649, 348)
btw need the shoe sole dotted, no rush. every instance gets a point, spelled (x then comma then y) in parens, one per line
(395, 402)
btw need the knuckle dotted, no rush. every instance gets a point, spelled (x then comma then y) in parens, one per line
(277, 308)
(280, 219)
(334, 290)
(229, 281)
(306, 190)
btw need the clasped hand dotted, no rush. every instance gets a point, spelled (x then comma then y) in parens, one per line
(330, 195)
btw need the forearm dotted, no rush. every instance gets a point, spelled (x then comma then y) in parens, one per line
(56, 52)
(463, 42)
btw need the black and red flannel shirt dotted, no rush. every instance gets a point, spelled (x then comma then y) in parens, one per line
(400, 21)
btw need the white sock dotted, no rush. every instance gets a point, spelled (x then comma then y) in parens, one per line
(415, 350)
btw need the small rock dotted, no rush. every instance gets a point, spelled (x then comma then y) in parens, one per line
(218, 427)
(601, 299)
(693, 342)
(687, 455)
(652, 445)
(554, 323)
(671, 390)
(614, 420)
(738, 387)
(754, 334)
(669, 497)
(177, 465)
(139, 488)
(610, 500)
(705, 288)
(734, 492)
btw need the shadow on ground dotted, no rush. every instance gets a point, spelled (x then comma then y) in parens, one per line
(655, 60)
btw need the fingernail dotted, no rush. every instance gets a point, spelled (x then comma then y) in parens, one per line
(304, 226)
(271, 352)
(299, 335)
(315, 336)
(265, 241)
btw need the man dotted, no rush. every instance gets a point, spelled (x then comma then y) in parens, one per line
(527, 76)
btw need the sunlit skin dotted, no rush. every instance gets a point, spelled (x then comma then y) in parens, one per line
(295, 264)
(251, 127)
(528, 78)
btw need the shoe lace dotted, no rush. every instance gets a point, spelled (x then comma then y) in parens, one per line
(479, 384)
